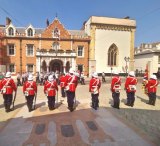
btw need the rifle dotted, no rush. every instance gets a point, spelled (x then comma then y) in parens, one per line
(14, 99)
(57, 96)
(35, 97)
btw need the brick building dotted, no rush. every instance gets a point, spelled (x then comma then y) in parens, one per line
(29, 49)
(100, 46)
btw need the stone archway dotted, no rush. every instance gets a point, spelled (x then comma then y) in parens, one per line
(56, 65)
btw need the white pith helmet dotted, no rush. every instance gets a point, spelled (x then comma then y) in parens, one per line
(71, 70)
(8, 74)
(153, 77)
(50, 78)
(30, 77)
(95, 75)
(131, 73)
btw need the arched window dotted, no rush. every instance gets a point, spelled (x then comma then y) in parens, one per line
(56, 33)
(30, 32)
(112, 55)
(56, 46)
(10, 31)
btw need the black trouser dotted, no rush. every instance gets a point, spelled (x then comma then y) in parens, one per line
(23, 81)
(116, 101)
(152, 98)
(18, 82)
(29, 101)
(130, 98)
(7, 101)
(51, 102)
(95, 100)
(63, 92)
(70, 98)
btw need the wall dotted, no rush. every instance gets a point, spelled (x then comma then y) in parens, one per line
(104, 39)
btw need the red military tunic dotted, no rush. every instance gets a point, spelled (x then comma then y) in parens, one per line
(152, 85)
(30, 87)
(115, 84)
(62, 81)
(71, 83)
(94, 85)
(130, 84)
(7, 86)
(50, 88)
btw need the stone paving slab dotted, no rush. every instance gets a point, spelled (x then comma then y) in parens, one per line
(86, 126)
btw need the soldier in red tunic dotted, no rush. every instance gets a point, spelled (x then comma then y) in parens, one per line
(152, 88)
(71, 83)
(62, 82)
(50, 88)
(7, 86)
(30, 91)
(94, 87)
(115, 89)
(130, 87)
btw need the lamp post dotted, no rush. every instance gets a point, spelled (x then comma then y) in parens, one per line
(126, 60)
(111, 71)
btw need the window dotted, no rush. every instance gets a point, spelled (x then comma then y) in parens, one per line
(30, 50)
(11, 49)
(30, 32)
(80, 51)
(56, 33)
(112, 55)
(10, 31)
(80, 68)
(12, 68)
(56, 46)
(30, 68)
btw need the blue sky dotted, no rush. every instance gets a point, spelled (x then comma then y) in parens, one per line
(72, 13)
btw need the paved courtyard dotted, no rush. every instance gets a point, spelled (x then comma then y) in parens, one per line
(84, 126)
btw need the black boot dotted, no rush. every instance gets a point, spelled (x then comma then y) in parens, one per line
(117, 105)
(8, 108)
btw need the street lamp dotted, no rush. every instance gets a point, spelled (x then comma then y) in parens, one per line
(111, 71)
(126, 60)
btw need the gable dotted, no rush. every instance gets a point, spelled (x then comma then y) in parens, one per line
(48, 32)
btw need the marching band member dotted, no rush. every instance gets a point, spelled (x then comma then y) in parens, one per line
(7, 86)
(62, 82)
(71, 83)
(30, 90)
(94, 87)
(50, 88)
(115, 89)
(152, 88)
(130, 87)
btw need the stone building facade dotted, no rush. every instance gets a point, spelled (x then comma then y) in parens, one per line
(101, 45)
(148, 54)
(112, 39)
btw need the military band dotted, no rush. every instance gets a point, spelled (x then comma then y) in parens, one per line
(115, 89)
(94, 87)
(7, 86)
(50, 89)
(130, 87)
(71, 83)
(68, 85)
(30, 91)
